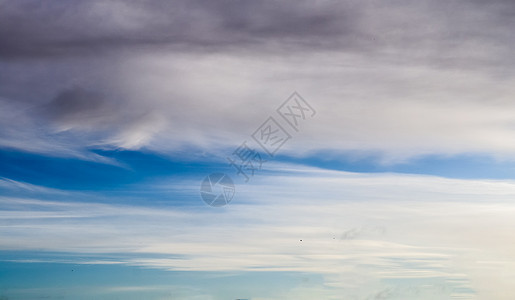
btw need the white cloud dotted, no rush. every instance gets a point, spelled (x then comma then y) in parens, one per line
(361, 232)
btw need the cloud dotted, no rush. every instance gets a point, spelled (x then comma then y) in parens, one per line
(398, 80)
(416, 233)
(436, 29)
(31, 29)
(402, 79)
(77, 105)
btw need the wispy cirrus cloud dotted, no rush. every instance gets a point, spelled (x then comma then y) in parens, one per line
(432, 233)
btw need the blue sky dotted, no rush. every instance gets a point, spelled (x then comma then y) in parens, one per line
(396, 181)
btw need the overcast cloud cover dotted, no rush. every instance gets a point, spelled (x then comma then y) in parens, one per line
(111, 112)
(401, 78)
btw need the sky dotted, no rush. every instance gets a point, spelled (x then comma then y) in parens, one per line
(355, 149)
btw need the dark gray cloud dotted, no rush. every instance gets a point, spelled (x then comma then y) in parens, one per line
(192, 71)
(76, 104)
(31, 28)
(89, 111)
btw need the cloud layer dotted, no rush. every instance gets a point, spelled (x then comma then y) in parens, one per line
(366, 234)
(402, 80)
(396, 80)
